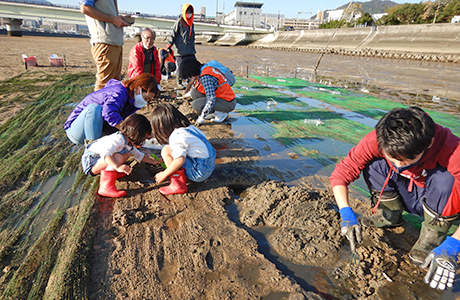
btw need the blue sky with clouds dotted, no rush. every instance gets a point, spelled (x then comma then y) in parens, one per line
(290, 8)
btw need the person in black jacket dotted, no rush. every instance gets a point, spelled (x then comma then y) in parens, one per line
(183, 37)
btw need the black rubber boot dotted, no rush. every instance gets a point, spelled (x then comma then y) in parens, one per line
(179, 83)
(433, 233)
(388, 213)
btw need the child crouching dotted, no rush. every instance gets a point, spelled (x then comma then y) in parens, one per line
(187, 152)
(107, 155)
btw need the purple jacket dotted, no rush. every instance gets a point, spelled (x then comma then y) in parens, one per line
(115, 100)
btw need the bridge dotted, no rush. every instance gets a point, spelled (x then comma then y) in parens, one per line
(13, 12)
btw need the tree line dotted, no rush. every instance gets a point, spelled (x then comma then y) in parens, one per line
(439, 11)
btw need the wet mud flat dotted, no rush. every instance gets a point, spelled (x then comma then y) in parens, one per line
(239, 235)
(243, 234)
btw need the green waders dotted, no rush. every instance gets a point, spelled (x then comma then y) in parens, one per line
(388, 213)
(433, 233)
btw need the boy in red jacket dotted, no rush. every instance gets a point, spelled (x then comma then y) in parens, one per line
(409, 163)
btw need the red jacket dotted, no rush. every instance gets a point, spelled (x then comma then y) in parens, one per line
(136, 62)
(445, 151)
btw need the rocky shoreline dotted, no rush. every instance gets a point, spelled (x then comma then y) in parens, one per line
(447, 58)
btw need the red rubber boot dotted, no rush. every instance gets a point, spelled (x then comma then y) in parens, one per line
(178, 184)
(107, 186)
(121, 175)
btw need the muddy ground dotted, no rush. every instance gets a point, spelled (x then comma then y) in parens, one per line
(190, 246)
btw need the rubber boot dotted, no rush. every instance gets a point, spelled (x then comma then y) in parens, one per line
(179, 83)
(121, 175)
(107, 186)
(389, 212)
(433, 233)
(178, 184)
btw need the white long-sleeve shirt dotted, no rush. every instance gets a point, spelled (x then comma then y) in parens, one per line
(114, 143)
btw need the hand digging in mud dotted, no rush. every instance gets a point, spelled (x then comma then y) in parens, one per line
(409, 163)
(350, 227)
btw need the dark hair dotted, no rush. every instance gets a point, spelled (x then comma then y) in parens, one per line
(189, 67)
(404, 133)
(145, 80)
(166, 118)
(135, 128)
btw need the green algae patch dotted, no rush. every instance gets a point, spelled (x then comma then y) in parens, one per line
(290, 125)
(249, 92)
(37, 159)
(331, 104)
(358, 102)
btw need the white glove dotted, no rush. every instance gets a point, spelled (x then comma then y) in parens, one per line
(159, 87)
(199, 121)
(188, 94)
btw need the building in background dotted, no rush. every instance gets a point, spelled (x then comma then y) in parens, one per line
(302, 24)
(272, 21)
(375, 17)
(248, 14)
(334, 15)
(201, 16)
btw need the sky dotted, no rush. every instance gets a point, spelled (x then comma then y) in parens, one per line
(290, 8)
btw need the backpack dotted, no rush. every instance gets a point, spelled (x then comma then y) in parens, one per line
(223, 69)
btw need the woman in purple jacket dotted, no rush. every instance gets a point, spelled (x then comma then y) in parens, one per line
(101, 112)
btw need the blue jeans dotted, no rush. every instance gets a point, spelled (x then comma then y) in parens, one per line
(438, 182)
(88, 125)
(199, 169)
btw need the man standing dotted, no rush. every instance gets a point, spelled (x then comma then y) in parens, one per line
(143, 57)
(183, 36)
(106, 30)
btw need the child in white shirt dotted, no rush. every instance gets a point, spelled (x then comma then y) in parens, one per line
(107, 155)
(187, 152)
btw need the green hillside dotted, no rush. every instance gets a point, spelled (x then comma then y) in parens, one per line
(374, 6)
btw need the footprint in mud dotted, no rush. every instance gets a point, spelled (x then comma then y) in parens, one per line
(127, 217)
(215, 257)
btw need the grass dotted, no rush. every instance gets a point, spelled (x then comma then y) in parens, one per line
(34, 148)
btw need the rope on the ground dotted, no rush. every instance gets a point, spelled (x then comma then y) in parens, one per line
(327, 45)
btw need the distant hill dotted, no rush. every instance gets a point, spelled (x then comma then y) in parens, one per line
(374, 6)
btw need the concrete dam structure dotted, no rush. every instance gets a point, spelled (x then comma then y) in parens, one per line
(430, 42)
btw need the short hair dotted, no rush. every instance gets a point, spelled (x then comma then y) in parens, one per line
(166, 118)
(144, 80)
(135, 128)
(189, 67)
(404, 133)
(151, 31)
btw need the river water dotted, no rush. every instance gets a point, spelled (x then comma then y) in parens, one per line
(393, 75)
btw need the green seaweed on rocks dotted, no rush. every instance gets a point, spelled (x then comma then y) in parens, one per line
(34, 148)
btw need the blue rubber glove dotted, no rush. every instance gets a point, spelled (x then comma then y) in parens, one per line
(443, 264)
(350, 227)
